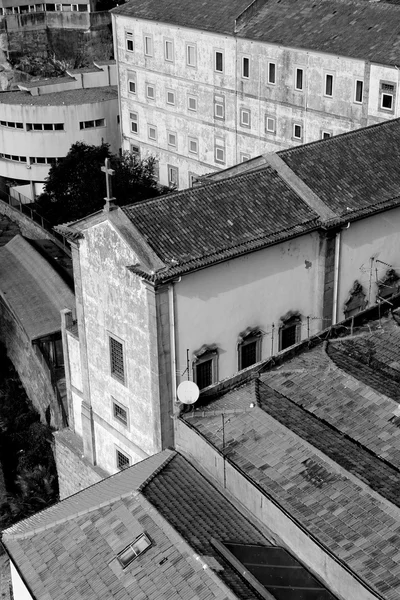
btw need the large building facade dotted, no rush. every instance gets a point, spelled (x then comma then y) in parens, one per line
(204, 92)
(41, 121)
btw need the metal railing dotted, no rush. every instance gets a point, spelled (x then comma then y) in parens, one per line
(22, 204)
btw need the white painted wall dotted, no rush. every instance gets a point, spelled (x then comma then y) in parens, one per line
(20, 591)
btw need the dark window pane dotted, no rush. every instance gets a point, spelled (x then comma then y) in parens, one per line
(248, 354)
(359, 91)
(117, 359)
(299, 79)
(288, 336)
(204, 374)
(271, 73)
(218, 61)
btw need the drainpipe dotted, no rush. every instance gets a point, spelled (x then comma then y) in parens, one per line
(171, 306)
(336, 277)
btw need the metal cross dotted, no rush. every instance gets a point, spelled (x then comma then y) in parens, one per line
(109, 172)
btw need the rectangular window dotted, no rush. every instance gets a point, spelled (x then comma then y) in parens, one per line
(150, 91)
(192, 103)
(117, 359)
(191, 55)
(193, 145)
(298, 82)
(171, 98)
(244, 157)
(152, 132)
(245, 67)
(325, 134)
(148, 45)
(172, 139)
(192, 179)
(37, 126)
(289, 334)
(219, 61)
(169, 50)
(358, 91)
(123, 460)
(245, 117)
(173, 176)
(120, 413)
(92, 124)
(135, 151)
(387, 101)
(387, 95)
(204, 374)
(249, 353)
(129, 41)
(100, 123)
(219, 149)
(297, 131)
(271, 73)
(219, 107)
(135, 549)
(270, 125)
(132, 82)
(328, 85)
(134, 122)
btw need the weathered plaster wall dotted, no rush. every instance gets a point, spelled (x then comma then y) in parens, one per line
(116, 302)
(375, 237)
(216, 304)
(390, 75)
(339, 580)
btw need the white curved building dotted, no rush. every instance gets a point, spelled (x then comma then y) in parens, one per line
(40, 121)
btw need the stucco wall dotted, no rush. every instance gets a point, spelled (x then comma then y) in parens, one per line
(116, 302)
(216, 304)
(20, 591)
(336, 577)
(375, 237)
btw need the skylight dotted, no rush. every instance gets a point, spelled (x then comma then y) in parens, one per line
(273, 571)
(135, 549)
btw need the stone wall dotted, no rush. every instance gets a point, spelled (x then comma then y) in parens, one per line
(74, 471)
(34, 374)
(66, 36)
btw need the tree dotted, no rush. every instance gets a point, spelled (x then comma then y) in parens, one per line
(76, 186)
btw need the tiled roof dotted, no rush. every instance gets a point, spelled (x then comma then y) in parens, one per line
(365, 30)
(350, 176)
(353, 171)
(324, 442)
(206, 15)
(69, 550)
(246, 212)
(32, 289)
(67, 97)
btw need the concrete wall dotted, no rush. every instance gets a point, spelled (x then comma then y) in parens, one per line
(215, 305)
(339, 580)
(74, 471)
(377, 238)
(117, 303)
(20, 590)
(33, 372)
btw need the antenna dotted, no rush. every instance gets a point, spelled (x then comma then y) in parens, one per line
(188, 392)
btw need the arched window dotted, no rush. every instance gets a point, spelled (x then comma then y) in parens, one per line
(249, 347)
(205, 366)
(289, 330)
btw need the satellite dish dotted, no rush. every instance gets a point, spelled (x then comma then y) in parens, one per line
(188, 392)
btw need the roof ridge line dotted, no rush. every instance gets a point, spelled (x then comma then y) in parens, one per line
(158, 470)
(299, 187)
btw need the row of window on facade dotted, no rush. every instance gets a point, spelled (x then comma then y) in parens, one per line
(205, 363)
(52, 126)
(387, 89)
(29, 8)
(33, 160)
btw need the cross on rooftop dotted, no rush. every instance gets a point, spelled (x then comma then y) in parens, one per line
(109, 172)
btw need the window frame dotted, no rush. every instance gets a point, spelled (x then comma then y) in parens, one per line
(296, 71)
(122, 379)
(200, 360)
(134, 120)
(149, 127)
(153, 87)
(175, 135)
(245, 60)
(245, 111)
(191, 97)
(194, 47)
(294, 321)
(326, 85)
(195, 141)
(269, 82)
(174, 97)
(148, 36)
(269, 131)
(357, 81)
(135, 554)
(171, 168)
(219, 101)
(324, 132)
(294, 125)
(251, 339)
(125, 455)
(116, 404)
(132, 78)
(129, 37)
(244, 157)
(221, 52)
(387, 93)
(166, 42)
(220, 147)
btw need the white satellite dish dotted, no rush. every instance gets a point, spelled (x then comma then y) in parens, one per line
(188, 392)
